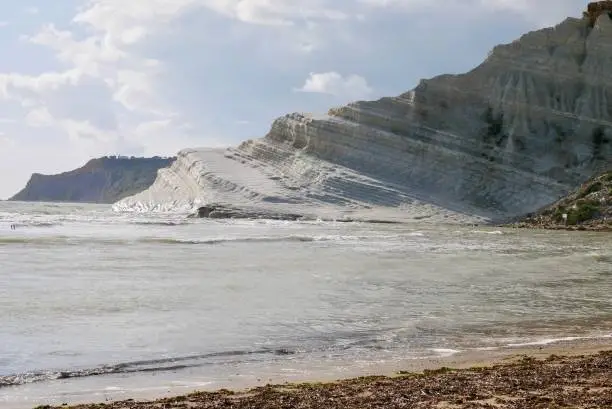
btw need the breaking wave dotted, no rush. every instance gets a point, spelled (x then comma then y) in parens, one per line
(212, 241)
(160, 223)
(493, 232)
(65, 240)
(548, 341)
(30, 224)
(57, 240)
(154, 365)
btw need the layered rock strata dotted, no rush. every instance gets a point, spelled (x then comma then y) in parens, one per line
(519, 131)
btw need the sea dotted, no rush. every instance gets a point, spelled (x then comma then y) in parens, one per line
(98, 305)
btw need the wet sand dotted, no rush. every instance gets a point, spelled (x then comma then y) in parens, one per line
(567, 374)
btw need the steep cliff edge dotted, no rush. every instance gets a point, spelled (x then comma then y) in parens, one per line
(516, 133)
(101, 180)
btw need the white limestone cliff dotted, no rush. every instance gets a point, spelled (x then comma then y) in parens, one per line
(530, 123)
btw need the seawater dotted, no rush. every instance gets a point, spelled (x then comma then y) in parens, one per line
(95, 303)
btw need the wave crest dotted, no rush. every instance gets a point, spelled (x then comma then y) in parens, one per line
(153, 365)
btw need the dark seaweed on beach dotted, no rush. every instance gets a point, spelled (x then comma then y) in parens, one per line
(580, 382)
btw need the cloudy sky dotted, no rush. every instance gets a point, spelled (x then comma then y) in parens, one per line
(84, 78)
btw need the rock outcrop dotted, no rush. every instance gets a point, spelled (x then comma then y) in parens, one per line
(220, 211)
(587, 208)
(596, 9)
(516, 133)
(101, 180)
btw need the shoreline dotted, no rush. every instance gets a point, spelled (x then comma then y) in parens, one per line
(424, 382)
(600, 228)
(380, 216)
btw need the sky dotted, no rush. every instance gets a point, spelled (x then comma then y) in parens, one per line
(86, 78)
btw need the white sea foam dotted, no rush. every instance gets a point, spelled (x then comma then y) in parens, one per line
(494, 232)
(548, 341)
(445, 352)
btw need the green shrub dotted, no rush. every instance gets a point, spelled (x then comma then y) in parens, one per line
(592, 188)
(396, 130)
(558, 214)
(548, 212)
(584, 211)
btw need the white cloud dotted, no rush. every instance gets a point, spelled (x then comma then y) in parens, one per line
(18, 85)
(135, 91)
(351, 87)
(276, 12)
(101, 59)
(108, 55)
(39, 117)
(5, 141)
(88, 55)
(541, 13)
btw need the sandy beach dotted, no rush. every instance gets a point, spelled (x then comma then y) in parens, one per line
(566, 374)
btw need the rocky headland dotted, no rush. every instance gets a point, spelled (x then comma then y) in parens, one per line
(516, 133)
(101, 180)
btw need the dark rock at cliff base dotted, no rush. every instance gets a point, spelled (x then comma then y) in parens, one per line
(102, 180)
(221, 211)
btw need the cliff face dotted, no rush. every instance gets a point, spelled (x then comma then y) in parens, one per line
(102, 180)
(525, 127)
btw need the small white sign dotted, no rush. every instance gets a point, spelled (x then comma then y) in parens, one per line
(564, 215)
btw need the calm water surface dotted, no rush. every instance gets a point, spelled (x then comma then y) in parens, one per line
(94, 302)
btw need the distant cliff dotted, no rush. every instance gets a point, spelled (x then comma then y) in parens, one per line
(101, 180)
(524, 128)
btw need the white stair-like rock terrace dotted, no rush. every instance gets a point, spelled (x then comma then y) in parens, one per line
(526, 126)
